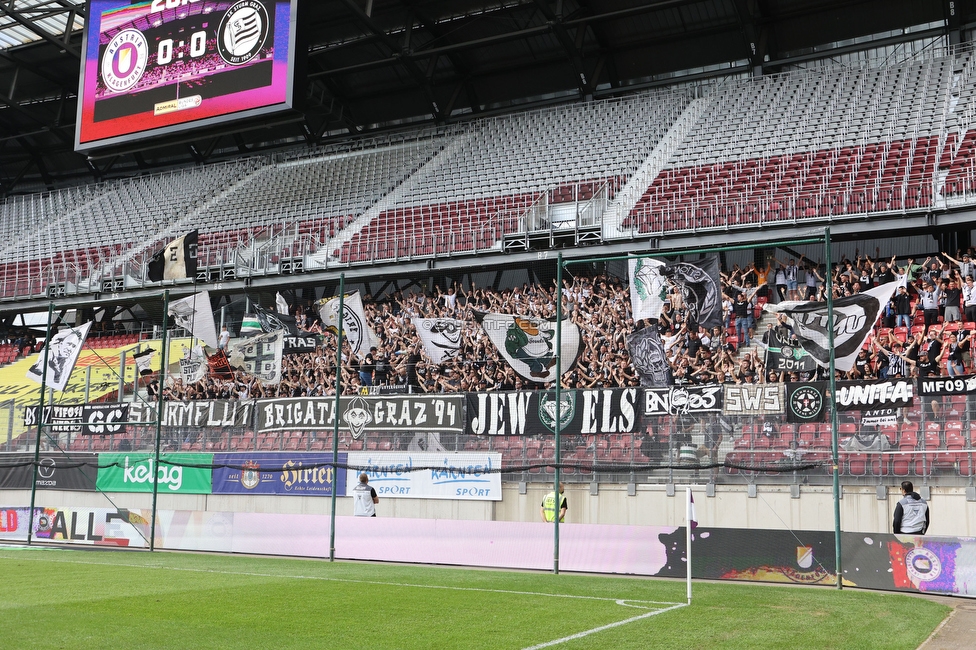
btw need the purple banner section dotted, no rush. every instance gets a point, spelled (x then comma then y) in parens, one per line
(279, 473)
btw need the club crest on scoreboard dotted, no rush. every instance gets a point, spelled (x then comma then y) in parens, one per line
(243, 31)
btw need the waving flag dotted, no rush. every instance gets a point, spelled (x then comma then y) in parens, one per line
(355, 328)
(648, 288)
(854, 318)
(62, 353)
(441, 337)
(260, 356)
(195, 315)
(649, 359)
(701, 289)
(143, 361)
(528, 344)
(176, 261)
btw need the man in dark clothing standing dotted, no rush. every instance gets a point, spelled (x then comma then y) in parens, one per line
(911, 513)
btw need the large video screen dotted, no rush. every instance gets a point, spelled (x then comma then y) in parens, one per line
(154, 67)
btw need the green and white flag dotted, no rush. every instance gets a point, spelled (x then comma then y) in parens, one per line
(250, 325)
(529, 344)
(648, 288)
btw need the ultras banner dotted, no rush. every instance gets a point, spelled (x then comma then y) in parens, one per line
(534, 413)
(207, 413)
(86, 419)
(754, 399)
(55, 471)
(680, 400)
(395, 413)
(462, 476)
(292, 474)
(959, 385)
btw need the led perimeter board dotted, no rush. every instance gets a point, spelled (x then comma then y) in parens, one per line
(157, 67)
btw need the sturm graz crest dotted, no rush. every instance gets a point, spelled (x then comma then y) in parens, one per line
(548, 412)
(242, 32)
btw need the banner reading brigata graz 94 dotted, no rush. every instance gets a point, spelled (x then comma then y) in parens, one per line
(394, 413)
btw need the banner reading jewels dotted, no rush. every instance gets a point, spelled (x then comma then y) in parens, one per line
(461, 476)
(180, 473)
(534, 413)
(402, 413)
(54, 472)
(868, 395)
(279, 473)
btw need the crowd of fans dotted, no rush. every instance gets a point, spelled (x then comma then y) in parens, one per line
(916, 335)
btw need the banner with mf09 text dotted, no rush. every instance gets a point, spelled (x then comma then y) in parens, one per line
(463, 476)
(87, 526)
(295, 474)
(177, 473)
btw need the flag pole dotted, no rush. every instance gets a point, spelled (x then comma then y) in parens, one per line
(834, 449)
(688, 519)
(164, 350)
(557, 428)
(40, 425)
(335, 414)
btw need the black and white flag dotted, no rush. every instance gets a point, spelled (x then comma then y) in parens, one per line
(528, 344)
(272, 321)
(854, 318)
(260, 356)
(701, 289)
(785, 355)
(441, 337)
(355, 327)
(62, 352)
(649, 359)
(195, 315)
(143, 361)
(177, 260)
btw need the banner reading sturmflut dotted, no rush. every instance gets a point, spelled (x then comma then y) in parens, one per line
(396, 413)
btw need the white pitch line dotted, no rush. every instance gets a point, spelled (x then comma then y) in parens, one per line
(580, 635)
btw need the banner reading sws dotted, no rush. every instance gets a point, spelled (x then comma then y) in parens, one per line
(402, 413)
(178, 473)
(534, 413)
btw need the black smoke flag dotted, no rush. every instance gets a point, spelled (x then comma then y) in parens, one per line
(176, 261)
(701, 289)
(649, 359)
(854, 318)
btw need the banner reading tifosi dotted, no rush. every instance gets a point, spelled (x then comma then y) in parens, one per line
(867, 395)
(403, 413)
(86, 419)
(754, 399)
(960, 385)
(54, 471)
(87, 526)
(278, 473)
(535, 413)
(464, 476)
(177, 473)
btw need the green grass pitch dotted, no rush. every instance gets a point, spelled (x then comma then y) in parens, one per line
(86, 599)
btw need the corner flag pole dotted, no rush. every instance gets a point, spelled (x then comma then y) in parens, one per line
(689, 520)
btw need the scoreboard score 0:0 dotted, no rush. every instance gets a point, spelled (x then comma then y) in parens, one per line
(160, 67)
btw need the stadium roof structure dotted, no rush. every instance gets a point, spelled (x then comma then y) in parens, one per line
(375, 65)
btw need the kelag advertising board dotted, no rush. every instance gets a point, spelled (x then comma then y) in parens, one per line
(133, 472)
(159, 66)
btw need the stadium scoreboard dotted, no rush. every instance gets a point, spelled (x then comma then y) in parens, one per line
(156, 67)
